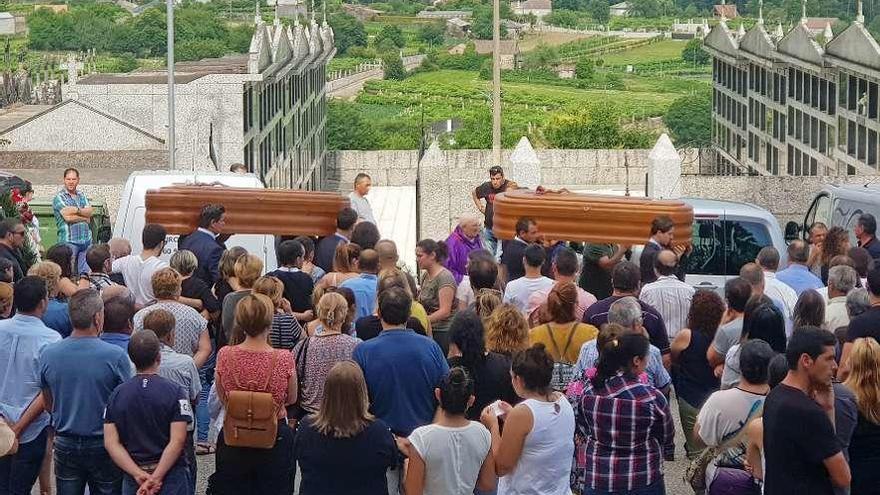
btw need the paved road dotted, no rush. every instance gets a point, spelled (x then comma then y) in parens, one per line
(349, 87)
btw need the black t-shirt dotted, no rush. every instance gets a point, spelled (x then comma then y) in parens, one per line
(798, 437)
(491, 382)
(367, 327)
(344, 465)
(487, 192)
(196, 288)
(512, 258)
(866, 324)
(143, 409)
(298, 288)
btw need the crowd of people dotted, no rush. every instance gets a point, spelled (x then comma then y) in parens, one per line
(511, 367)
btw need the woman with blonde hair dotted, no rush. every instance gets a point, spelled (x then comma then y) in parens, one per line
(254, 366)
(247, 269)
(345, 265)
(507, 331)
(315, 327)
(316, 354)
(56, 316)
(864, 447)
(344, 433)
(286, 330)
(6, 294)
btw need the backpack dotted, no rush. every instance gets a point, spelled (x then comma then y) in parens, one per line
(563, 371)
(251, 416)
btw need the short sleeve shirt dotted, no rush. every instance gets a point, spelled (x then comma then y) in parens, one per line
(794, 460)
(487, 192)
(429, 296)
(188, 326)
(79, 232)
(180, 369)
(595, 279)
(143, 409)
(727, 336)
(242, 369)
(196, 288)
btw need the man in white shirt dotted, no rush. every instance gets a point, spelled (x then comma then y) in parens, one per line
(520, 290)
(768, 260)
(138, 270)
(841, 280)
(358, 198)
(669, 295)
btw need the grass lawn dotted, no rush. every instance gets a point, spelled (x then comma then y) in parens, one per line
(530, 41)
(655, 52)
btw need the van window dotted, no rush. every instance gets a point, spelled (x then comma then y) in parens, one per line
(743, 241)
(707, 255)
(820, 211)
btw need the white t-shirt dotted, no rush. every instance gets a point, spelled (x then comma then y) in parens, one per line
(453, 456)
(520, 290)
(137, 273)
(721, 417)
(464, 293)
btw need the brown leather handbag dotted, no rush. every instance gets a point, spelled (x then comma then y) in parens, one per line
(251, 416)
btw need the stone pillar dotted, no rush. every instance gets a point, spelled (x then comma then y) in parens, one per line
(433, 195)
(664, 170)
(525, 168)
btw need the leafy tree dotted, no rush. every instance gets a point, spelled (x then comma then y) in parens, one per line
(569, 5)
(239, 38)
(481, 27)
(584, 69)
(347, 129)
(197, 23)
(199, 49)
(693, 52)
(347, 31)
(650, 8)
(393, 67)
(596, 127)
(599, 11)
(432, 34)
(391, 33)
(542, 57)
(150, 32)
(689, 120)
(562, 18)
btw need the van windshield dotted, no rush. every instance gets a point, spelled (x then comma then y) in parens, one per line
(722, 247)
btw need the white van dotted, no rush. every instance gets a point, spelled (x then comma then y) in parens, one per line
(130, 218)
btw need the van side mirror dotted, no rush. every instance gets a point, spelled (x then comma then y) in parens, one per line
(792, 231)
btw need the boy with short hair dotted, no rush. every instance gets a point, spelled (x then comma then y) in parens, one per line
(145, 424)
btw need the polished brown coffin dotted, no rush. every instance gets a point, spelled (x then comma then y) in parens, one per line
(567, 216)
(248, 211)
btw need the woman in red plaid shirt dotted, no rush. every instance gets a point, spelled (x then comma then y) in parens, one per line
(626, 423)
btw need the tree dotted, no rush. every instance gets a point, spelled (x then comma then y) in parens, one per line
(393, 67)
(481, 27)
(584, 69)
(348, 32)
(693, 52)
(562, 18)
(569, 4)
(689, 120)
(150, 32)
(596, 127)
(542, 57)
(391, 33)
(432, 34)
(199, 49)
(599, 11)
(347, 129)
(649, 8)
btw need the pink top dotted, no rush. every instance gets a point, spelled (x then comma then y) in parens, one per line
(249, 370)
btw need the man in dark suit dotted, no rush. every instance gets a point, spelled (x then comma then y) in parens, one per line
(204, 243)
(512, 251)
(662, 234)
(12, 233)
(326, 248)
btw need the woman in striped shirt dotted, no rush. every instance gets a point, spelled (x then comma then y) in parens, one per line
(286, 331)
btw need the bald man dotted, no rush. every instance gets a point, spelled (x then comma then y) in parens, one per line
(388, 258)
(668, 295)
(464, 239)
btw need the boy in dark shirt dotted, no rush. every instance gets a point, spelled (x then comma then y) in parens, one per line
(298, 285)
(145, 425)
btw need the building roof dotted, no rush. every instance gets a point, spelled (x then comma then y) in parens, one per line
(799, 44)
(819, 23)
(508, 47)
(184, 72)
(728, 10)
(536, 5)
(620, 6)
(458, 22)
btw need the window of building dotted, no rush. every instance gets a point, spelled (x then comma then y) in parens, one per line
(872, 148)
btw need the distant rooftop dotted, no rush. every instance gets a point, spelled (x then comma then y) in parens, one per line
(184, 72)
(535, 5)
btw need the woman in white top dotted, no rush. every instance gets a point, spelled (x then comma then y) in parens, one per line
(538, 432)
(452, 455)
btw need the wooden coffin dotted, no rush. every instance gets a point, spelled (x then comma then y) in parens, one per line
(567, 216)
(248, 211)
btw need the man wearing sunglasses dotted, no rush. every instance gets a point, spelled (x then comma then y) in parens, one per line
(12, 233)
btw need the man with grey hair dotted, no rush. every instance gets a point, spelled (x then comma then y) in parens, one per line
(768, 260)
(464, 239)
(841, 280)
(358, 198)
(627, 312)
(77, 376)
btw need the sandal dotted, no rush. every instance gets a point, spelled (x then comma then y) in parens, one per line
(203, 448)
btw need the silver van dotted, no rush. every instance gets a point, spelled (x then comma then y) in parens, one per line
(838, 206)
(726, 236)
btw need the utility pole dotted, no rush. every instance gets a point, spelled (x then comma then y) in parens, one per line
(169, 9)
(496, 82)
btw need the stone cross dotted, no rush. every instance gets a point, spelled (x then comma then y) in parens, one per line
(73, 67)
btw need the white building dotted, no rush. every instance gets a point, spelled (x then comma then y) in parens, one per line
(266, 109)
(537, 8)
(619, 9)
(11, 25)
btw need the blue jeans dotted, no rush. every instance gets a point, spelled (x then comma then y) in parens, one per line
(176, 482)
(490, 242)
(656, 488)
(19, 472)
(81, 461)
(203, 417)
(79, 257)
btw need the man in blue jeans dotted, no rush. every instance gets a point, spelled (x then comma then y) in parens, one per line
(77, 376)
(145, 424)
(73, 216)
(22, 340)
